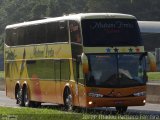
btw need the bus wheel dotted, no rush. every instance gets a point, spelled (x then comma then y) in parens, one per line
(68, 100)
(27, 102)
(121, 109)
(19, 98)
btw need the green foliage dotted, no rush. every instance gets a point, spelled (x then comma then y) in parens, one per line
(154, 76)
(7, 113)
(1, 75)
(14, 11)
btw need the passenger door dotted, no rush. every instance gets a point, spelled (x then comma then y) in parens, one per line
(81, 85)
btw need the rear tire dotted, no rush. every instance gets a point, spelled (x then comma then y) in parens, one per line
(19, 97)
(26, 99)
(121, 109)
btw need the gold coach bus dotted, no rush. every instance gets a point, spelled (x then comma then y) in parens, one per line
(87, 60)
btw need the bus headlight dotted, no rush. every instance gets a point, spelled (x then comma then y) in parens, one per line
(144, 101)
(140, 94)
(90, 102)
(95, 95)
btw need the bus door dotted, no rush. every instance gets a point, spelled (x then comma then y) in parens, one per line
(57, 64)
(81, 86)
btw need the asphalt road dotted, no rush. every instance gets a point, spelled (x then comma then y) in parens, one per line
(151, 111)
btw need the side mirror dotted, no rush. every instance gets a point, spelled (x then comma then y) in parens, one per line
(152, 62)
(85, 63)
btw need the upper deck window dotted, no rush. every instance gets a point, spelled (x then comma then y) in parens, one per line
(38, 34)
(111, 32)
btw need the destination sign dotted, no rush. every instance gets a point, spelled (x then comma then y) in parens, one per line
(111, 25)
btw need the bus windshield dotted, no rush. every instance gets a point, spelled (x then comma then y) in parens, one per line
(110, 32)
(116, 70)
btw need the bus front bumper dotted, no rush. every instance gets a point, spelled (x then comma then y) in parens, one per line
(113, 102)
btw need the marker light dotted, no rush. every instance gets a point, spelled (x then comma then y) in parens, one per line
(144, 101)
(90, 102)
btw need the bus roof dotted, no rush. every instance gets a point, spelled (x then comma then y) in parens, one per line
(149, 26)
(77, 17)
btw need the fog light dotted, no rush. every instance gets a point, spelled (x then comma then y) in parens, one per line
(90, 102)
(144, 101)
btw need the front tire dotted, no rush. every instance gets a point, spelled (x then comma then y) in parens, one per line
(26, 99)
(68, 103)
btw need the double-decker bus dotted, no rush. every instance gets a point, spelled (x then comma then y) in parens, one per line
(87, 60)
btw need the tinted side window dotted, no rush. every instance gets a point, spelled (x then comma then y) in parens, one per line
(57, 32)
(51, 32)
(8, 39)
(62, 32)
(37, 34)
(41, 33)
(42, 69)
(57, 69)
(21, 33)
(65, 70)
(29, 35)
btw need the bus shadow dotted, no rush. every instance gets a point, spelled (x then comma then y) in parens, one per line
(133, 113)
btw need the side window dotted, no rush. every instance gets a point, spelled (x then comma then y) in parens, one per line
(51, 32)
(48, 69)
(65, 70)
(29, 36)
(62, 32)
(35, 34)
(41, 33)
(43, 69)
(14, 36)
(8, 39)
(75, 32)
(57, 69)
(21, 36)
